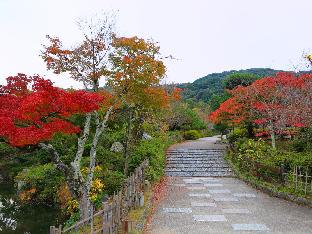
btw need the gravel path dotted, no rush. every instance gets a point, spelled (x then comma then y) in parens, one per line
(224, 205)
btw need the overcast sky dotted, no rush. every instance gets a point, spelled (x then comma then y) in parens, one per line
(205, 35)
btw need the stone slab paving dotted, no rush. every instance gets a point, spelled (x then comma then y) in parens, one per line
(177, 210)
(236, 211)
(250, 227)
(219, 191)
(209, 218)
(225, 213)
(242, 210)
(203, 204)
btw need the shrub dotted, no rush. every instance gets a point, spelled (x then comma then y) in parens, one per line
(253, 150)
(192, 135)
(303, 142)
(113, 181)
(207, 132)
(184, 118)
(176, 136)
(236, 135)
(40, 183)
(155, 151)
(260, 158)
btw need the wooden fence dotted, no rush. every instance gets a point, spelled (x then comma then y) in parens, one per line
(112, 218)
(299, 179)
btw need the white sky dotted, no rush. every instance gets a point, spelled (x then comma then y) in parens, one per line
(205, 35)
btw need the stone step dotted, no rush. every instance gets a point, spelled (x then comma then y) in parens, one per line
(197, 169)
(194, 156)
(195, 150)
(195, 162)
(194, 159)
(190, 153)
(197, 166)
(199, 174)
(194, 153)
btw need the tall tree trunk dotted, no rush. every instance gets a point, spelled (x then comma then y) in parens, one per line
(250, 132)
(273, 139)
(85, 206)
(100, 127)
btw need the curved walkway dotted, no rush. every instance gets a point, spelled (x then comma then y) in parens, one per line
(224, 205)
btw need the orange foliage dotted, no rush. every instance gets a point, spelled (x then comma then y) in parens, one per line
(27, 195)
(137, 72)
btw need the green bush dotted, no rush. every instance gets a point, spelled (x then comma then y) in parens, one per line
(303, 142)
(192, 135)
(251, 153)
(207, 133)
(113, 181)
(155, 151)
(236, 135)
(184, 118)
(109, 160)
(45, 179)
(175, 136)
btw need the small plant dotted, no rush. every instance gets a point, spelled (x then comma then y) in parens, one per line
(192, 135)
(236, 135)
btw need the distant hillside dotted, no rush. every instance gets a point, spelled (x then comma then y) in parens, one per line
(205, 87)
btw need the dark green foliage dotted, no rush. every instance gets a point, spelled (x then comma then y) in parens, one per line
(45, 179)
(110, 160)
(207, 86)
(239, 79)
(260, 159)
(207, 132)
(192, 135)
(184, 118)
(220, 128)
(75, 217)
(13, 160)
(236, 135)
(154, 150)
(175, 136)
(303, 142)
(216, 100)
(113, 181)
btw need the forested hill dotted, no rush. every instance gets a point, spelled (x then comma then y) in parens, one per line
(207, 86)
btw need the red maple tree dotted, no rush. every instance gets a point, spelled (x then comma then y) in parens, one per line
(32, 110)
(275, 102)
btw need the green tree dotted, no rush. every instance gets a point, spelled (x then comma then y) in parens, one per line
(239, 79)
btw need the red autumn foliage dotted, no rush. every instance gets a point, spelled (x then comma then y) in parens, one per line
(32, 110)
(277, 102)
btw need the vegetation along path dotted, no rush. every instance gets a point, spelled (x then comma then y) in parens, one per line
(204, 197)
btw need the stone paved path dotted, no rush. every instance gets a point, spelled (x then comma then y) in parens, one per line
(224, 205)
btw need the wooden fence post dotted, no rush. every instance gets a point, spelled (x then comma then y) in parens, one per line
(52, 230)
(104, 217)
(306, 182)
(282, 171)
(91, 224)
(296, 177)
